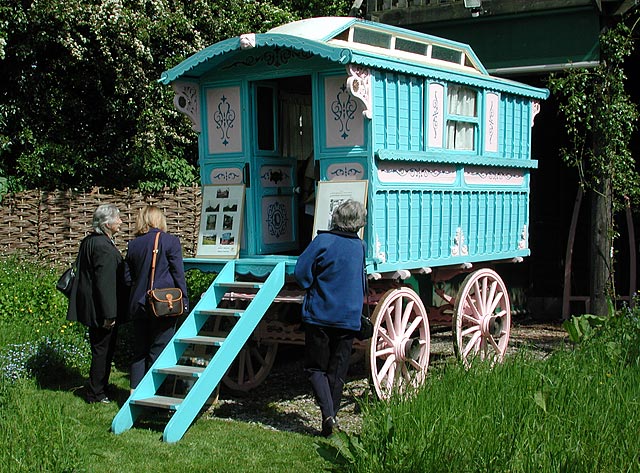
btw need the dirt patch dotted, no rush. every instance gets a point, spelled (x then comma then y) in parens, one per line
(284, 401)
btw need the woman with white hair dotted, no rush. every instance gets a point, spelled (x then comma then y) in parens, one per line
(331, 270)
(99, 296)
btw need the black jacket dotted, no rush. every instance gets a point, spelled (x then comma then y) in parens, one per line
(99, 291)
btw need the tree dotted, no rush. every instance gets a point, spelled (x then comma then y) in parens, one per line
(80, 105)
(600, 120)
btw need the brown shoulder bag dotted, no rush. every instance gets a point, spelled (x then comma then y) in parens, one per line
(165, 302)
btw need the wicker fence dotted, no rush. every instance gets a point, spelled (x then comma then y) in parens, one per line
(51, 224)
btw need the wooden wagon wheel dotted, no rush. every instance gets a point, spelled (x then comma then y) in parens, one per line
(482, 318)
(252, 365)
(399, 350)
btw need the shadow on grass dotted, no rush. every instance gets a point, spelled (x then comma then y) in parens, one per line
(284, 400)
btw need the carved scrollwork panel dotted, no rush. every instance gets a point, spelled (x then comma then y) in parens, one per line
(187, 100)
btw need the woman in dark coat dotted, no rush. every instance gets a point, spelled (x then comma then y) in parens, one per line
(99, 295)
(151, 334)
(331, 270)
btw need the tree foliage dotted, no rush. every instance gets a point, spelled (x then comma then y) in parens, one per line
(80, 105)
(601, 118)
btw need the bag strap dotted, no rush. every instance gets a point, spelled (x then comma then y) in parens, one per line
(153, 261)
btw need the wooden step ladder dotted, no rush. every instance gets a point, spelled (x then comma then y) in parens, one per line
(189, 334)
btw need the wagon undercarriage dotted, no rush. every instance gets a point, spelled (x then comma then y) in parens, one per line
(478, 315)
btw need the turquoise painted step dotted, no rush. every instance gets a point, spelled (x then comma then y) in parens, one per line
(206, 378)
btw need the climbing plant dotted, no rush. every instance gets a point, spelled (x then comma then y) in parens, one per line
(600, 119)
(598, 110)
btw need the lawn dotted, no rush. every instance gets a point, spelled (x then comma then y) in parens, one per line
(577, 410)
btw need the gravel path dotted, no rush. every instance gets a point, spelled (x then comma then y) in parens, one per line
(284, 401)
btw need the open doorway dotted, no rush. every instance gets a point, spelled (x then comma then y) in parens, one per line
(284, 164)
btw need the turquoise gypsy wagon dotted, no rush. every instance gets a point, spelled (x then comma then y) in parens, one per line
(293, 119)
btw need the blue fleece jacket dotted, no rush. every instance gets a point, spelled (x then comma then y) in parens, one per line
(331, 270)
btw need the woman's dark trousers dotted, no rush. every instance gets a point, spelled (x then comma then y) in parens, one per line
(103, 344)
(327, 354)
(151, 336)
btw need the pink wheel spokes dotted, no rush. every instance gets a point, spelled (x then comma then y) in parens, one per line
(399, 350)
(482, 318)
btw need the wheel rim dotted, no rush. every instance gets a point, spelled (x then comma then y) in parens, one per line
(398, 354)
(482, 318)
(251, 367)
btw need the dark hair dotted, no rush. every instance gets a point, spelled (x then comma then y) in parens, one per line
(349, 216)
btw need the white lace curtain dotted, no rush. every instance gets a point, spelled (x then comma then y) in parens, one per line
(461, 101)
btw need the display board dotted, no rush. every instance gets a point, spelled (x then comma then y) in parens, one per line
(330, 194)
(221, 221)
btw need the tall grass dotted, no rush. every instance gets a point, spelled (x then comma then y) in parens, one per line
(30, 305)
(576, 411)
(36, 433)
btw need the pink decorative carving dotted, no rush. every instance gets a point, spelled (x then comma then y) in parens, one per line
(436, 115)
(417, 173)
(247, 41)
(459, 248)
(477, 175)
(524, 238)
(186, 100)
(535, 109)
(359, 85)
(491, 122)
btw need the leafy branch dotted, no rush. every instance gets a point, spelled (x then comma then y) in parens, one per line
(600, 119)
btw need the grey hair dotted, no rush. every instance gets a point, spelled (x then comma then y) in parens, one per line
(349, 216)
(104, 214)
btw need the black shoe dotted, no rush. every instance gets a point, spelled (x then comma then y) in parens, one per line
(327, 426)
(104, 400)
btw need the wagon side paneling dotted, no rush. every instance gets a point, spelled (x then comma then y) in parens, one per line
(515, 127)
(398, 124)
(434, 227)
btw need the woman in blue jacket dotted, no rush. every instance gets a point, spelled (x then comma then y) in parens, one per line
(331, 270)
(151, 334)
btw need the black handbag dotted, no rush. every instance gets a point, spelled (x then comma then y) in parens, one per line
(366, 327)
(65, 283)
(165, 302)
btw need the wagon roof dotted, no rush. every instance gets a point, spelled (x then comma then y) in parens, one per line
(346, 40)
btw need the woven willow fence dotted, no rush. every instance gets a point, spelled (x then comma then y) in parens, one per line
(51, 224)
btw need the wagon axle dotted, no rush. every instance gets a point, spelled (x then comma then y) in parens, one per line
(491, 326)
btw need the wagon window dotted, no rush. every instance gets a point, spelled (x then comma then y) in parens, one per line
(411, 46)
(265, 118)
(372, 38)
(462, 117)
(445, 54)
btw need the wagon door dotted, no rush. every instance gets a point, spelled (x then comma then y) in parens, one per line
(274, 167)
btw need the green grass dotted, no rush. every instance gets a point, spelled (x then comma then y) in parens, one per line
(45, 425)
(55, 430)
(576, 411)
